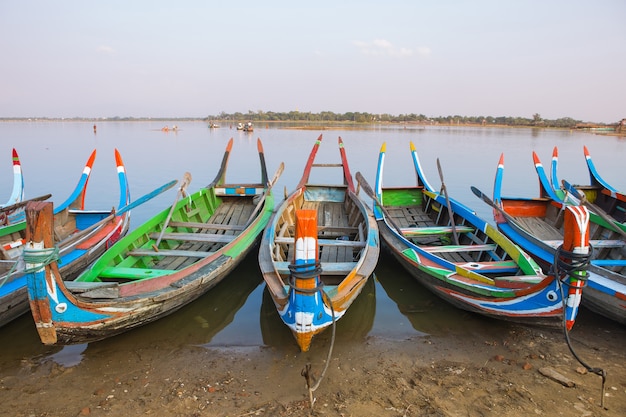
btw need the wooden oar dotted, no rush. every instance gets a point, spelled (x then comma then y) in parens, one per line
(121, 211)
(450, 212)
(270, 184)
(594, 208)
(181, 193)
(489, 201)
(146, 197)
(370, 192)
(23, 203)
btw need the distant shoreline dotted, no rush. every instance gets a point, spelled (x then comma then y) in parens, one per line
(303, 124)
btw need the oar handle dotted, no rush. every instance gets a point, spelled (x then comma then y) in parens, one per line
(146, 197)
(449, 206)
(181, 193)
(370, 192)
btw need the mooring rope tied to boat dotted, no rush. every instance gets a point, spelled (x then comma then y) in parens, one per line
(306, 371)
(563, 270)
(296, 272)
(37, 258)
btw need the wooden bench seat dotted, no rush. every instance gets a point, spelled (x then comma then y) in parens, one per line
(518, 281)
(492, 267)
(433, 230)
(608, 262)
(328, 268)
(240, 190)
(133, 273)
(603, 243)
(199, 225)
(170, 252)
(459, 248)
(196, 237)
(94, 289)
(326, 242)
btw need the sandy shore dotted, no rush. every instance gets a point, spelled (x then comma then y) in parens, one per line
(447, 375)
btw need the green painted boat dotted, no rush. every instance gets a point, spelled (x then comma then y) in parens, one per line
(159, 267)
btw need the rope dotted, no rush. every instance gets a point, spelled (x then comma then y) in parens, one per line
(563, 270)
(305, 372)
(297, 271)
(38, 257)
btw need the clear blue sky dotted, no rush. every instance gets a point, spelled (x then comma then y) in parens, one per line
(558, 58)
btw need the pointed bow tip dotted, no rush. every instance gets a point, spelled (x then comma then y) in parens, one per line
(304, 341)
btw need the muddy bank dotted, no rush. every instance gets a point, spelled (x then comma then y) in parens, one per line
(476, 374)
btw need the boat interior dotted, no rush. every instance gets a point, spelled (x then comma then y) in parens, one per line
(200, 229)
(342, 231)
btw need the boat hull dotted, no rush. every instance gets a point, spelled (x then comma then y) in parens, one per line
(535, 224)
(81, 236)
(463, 259)
(348, 248)
(159, 267)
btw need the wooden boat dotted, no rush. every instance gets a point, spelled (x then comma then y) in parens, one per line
(601, 196)
(17, 194)
(536, 224)
(463, 259)
(80, 236)
(318, 251)
(354, 326)
(162, 265)
(248, 127)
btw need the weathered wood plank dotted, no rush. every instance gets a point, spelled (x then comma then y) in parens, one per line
(170, 252)
(460, 248)
(328, 268)
(196, 237)
(199, 225)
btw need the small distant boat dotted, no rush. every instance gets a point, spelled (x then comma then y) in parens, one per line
(318, 251)
(537, 225)
(239, 126)
(213, 125)
(463, 259)
(80, 236)
(248, 127)
(17, 194)
(159, 267)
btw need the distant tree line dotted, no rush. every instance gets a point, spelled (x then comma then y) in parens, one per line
(363, 117)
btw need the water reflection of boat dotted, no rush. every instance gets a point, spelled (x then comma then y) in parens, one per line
(199, 322)
(354, 326)
(423, 310)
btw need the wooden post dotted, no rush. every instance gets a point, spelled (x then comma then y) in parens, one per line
(305, 258)
(575, 240)
(39, 235)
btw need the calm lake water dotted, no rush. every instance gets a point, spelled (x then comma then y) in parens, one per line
(238, 312)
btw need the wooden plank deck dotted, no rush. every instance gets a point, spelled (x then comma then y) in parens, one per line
(539, 228)
(181, 249)
(424, 231)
